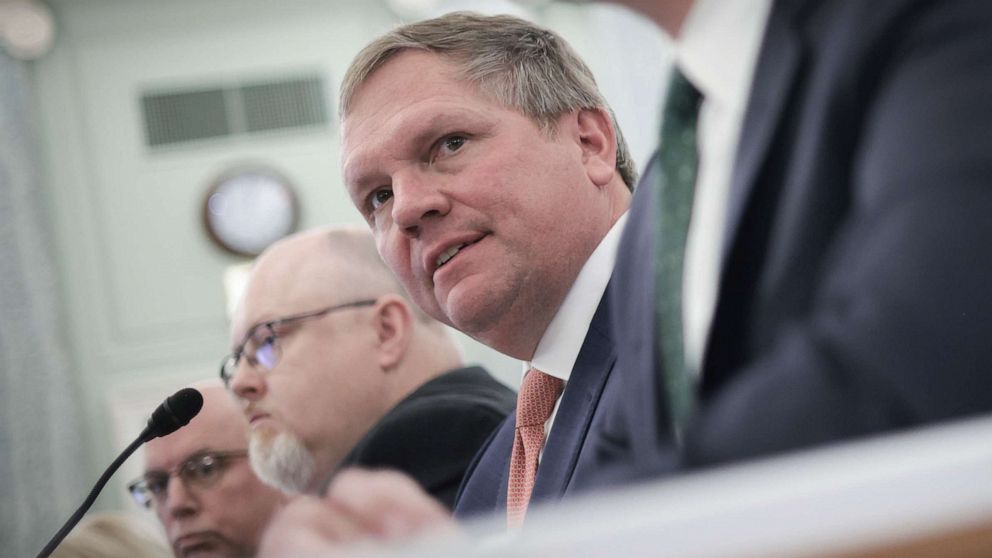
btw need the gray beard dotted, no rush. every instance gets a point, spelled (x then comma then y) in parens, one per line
(282, 462)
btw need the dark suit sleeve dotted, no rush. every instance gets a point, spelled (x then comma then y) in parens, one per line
(898, 333)
(432, 439)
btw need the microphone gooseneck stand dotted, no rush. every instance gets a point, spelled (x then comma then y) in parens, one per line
(61, 534)
(174, 413)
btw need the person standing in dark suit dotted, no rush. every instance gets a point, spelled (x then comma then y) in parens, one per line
(332, 364)
(834, 272)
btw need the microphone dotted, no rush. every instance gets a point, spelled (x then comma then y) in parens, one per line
(174, 413)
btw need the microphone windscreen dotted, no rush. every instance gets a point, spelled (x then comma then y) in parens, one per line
(175, 412)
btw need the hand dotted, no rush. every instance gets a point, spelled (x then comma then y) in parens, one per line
(359, 506)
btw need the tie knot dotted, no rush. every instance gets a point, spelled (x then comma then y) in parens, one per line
(537, 398)
(682, 98)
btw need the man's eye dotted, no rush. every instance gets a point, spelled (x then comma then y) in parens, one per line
(203, 468)
(380, 197)
(447, 147)
(265, 354)
(156, 485)
(452, 143)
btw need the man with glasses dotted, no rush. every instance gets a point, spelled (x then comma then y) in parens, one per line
(200, 484)
(335, 366)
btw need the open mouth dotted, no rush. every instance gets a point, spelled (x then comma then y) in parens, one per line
(450, 253)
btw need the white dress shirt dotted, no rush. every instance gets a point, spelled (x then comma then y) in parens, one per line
(559, 346)
(716, 50)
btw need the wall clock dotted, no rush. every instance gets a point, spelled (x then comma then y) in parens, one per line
(247, 208)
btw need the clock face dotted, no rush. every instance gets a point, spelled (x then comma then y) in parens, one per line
(247, 210)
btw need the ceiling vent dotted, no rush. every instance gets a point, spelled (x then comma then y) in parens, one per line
(193, 114)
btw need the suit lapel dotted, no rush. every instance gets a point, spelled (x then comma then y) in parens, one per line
(483, 490)
(578, 403)
(774, 76)
(504, 442)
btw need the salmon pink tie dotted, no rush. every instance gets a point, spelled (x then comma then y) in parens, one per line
(535, 401)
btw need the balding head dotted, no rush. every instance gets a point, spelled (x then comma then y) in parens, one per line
(313, 268)
(220, 507)
(353, 347)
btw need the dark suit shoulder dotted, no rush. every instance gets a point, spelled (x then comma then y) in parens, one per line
(434, 432)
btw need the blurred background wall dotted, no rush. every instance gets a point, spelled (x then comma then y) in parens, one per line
(112, 295)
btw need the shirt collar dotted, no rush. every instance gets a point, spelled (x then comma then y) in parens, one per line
(717, 48)
(559, 346)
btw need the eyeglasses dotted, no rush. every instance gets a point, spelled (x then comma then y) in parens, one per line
(199, 471)
(260, 345)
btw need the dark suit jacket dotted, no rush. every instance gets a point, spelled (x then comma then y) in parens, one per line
(565, 454)
(854, 292)
(434, 432)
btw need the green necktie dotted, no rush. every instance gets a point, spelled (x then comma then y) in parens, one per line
(677, 162)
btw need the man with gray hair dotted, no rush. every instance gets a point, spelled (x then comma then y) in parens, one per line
(495, 181)
(334, 366)
(470, 145)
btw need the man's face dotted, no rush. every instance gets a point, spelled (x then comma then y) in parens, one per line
(325, 391)
(479, 213)
(227, 517)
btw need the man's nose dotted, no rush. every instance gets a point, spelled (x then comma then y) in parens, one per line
(417, 198)
(247, 382)
(179, 501)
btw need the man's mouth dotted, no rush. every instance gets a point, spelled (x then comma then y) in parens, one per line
(195, 544)
(450, 253)
(256, 417)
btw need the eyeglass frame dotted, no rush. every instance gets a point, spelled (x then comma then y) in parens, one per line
(236, 355)
(223, 459)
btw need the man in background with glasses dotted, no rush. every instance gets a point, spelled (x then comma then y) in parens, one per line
(200, 484)
(334, 365)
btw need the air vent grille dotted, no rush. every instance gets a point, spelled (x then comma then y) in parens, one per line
(179, 117)
(176, 117)
(286, 104)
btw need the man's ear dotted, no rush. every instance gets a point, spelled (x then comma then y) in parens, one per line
(598, 140)
(393, 322)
